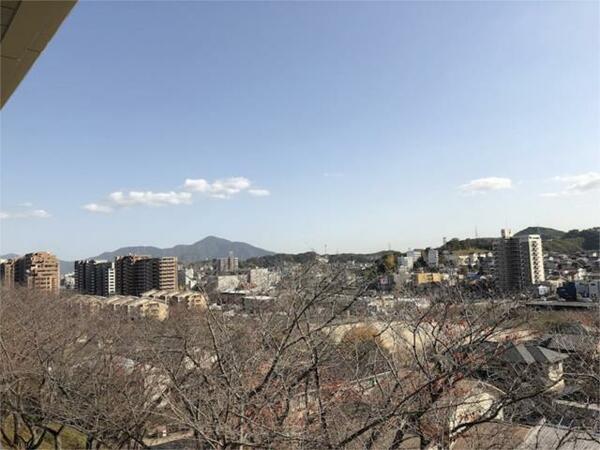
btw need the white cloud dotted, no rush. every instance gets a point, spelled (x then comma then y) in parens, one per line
(581, 183)
(259, 192)
(26, 205)
(576, 184)
(96, 208)
(487, 184)
(150, 198)
(121, 199)
(32, 214)
(223, 188)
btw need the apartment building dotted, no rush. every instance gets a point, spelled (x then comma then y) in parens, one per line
(127, 273)
(166, 273)
(95, 277)
(7, 273)
(518, 261)
(38, 271)
(229, 264)
(136, 274)
(433, 257)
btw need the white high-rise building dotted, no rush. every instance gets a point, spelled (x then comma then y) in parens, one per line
(406, 262)
(518, 261)
(433, 257)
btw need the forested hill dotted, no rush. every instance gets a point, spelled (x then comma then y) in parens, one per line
(553, 240)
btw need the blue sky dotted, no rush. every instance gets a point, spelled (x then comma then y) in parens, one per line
(367, 124)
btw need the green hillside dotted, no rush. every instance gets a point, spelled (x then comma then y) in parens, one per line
(546, 233)
(554, 240)
(590, 237)
(563, 245)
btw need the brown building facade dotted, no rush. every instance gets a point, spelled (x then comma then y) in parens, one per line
(7, 274)
(38, 271)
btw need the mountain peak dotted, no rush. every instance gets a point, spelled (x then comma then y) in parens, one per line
(212, 238)
(210, 247)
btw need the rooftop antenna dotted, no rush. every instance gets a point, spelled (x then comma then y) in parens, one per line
(476, 234)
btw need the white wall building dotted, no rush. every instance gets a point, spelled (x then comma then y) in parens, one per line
(186, 278)
(433, 257)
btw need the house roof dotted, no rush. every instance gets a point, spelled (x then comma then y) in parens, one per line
(508, 436)
(545, 436)
(571, 343)
(526, 354)
(491, 436)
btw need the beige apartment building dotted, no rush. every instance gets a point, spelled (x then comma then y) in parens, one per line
(166, 273)
(427, 278)
(38, 271)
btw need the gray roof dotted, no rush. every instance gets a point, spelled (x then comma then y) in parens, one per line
(571, 343)
(526, 354)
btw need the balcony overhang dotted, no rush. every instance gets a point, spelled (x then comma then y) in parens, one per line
(26, 28)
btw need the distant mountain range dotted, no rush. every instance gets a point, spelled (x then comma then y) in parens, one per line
(213, 247)
(208, 248)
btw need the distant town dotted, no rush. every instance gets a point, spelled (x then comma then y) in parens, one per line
(486, 343)
(511, 264)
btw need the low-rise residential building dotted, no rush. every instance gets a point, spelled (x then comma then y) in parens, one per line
(189, 299)
(224, 283)
(542, 363)
(589, 290)
(259, 279)
(427, 278)
(465, 402)
(129, 307)
(257, 303)
(187, 278)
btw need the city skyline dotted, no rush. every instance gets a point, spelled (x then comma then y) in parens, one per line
(356, 126)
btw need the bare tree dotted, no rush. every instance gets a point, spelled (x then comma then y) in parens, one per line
(313, 370)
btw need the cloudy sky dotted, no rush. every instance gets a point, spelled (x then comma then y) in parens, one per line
(295, 125)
